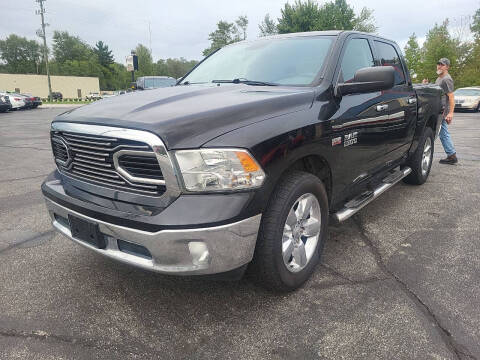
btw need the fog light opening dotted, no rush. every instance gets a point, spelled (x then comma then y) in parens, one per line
(199, 252)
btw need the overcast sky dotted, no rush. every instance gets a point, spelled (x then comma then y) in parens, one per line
(180, 28)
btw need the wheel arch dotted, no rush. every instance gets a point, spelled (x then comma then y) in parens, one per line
(312, 163)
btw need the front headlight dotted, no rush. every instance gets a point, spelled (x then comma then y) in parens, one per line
(219, 169)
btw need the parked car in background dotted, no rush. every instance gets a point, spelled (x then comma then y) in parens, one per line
(32, 101)
(93, 96)
(4, 103)
(17, 101)
(37, 101)
(57, 95)
(154, 82)
(28, 101)
(467, 98)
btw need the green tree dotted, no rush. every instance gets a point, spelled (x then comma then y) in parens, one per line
(242, 24)
(174, 67)
(301, 16)
(226, 33)
(145, 60)
(475, 27)
(268, 26)
(334, 15)
(437, 45)
(365, 21)
(104, 55)
(470, 72)
(21, 56)
(68, 47)
(413, 55)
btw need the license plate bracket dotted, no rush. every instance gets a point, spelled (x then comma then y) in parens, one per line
(87, 231)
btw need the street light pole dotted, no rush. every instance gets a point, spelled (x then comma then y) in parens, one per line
(45, 52)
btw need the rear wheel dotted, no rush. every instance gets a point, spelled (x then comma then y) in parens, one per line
(292, 233)
(421, 160)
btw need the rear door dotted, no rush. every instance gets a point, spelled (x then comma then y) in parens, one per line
(401, 102)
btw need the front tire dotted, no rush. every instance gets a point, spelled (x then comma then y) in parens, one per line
(421, 160)
(292, 233)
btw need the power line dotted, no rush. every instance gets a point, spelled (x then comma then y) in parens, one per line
(41, 33)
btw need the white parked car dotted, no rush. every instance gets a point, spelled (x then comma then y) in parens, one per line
(93, 96)
(17, 100)
(467, 98)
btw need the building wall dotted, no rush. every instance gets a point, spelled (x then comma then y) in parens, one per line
(37, 85)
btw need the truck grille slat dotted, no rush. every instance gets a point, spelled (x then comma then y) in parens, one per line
(88, 142)
(141, 166)
(80, 172)
(83, 146)
(89, 152)
(92, 162)
(90, 137)
(104, 172)
(90, 158)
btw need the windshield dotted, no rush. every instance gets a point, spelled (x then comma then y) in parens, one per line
(291, 61)
(467, 92)
(154, 82)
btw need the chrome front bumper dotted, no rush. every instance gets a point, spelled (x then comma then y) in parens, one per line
(197, 251)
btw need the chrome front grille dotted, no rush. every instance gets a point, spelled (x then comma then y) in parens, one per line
(91, 158)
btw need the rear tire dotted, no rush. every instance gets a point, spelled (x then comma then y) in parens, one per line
(421, 161)
(287, 252)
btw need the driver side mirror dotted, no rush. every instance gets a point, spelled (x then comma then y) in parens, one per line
(367, 80)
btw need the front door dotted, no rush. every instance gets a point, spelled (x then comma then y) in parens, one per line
(359, 120)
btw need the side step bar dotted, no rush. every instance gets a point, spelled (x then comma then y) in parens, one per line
(366, 198)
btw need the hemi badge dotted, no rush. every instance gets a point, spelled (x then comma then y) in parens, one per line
(336, 141)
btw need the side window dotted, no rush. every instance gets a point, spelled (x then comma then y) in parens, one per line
(357, 55)
(389, 56)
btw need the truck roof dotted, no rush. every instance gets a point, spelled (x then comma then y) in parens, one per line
(317, 33)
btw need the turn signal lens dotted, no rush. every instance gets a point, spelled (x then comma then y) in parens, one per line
(248, 164)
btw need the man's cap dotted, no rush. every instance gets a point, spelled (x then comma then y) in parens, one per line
(444, 61)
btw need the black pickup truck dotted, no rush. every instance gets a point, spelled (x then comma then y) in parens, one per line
(243, 163)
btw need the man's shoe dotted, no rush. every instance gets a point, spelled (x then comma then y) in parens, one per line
(450, 160)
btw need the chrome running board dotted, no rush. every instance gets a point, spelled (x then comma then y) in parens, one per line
(390, 180)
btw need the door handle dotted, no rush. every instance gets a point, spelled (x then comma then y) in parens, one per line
(382, 107)
(412, 100)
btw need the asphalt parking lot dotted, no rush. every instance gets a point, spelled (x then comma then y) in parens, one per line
(400, 280)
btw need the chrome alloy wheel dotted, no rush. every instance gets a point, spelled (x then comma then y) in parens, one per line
(301, 232)
(427, 155)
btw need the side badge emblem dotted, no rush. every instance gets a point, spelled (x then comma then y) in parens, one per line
(336, 141)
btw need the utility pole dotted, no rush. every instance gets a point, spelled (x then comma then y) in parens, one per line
(45, 52)
(150, 32)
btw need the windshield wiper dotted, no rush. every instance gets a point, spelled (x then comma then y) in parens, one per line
(244, 81)
(191, 83)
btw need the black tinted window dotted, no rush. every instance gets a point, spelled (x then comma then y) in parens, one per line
(389, 56)
(357, 56)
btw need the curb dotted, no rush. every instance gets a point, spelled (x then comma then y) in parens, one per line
(53, 106)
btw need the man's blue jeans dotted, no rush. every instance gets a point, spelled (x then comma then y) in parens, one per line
(446, 139)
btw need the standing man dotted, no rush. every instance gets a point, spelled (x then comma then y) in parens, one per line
(445, 81)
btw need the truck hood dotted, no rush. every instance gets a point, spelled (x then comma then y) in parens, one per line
(189, 116)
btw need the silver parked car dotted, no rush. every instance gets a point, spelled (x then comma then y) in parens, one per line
(467, 98)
